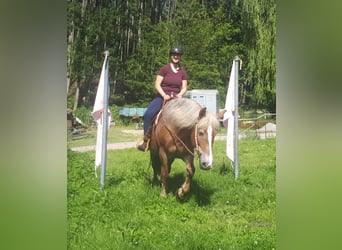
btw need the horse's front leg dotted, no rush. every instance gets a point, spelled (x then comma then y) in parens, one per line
(190, 171)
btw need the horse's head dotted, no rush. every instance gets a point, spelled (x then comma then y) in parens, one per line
(206, 129)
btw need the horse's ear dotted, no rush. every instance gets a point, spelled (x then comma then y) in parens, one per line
(220, 114)
(202, 113)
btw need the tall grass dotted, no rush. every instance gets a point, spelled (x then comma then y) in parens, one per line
(219, 213)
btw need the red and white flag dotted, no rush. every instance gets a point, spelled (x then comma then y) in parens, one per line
(98, 113)
(228, 118)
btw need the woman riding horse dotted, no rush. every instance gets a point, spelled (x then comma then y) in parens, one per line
(171, 82)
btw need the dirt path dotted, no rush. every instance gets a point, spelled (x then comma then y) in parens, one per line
(110, 146)
(124, 145)
(120, 145)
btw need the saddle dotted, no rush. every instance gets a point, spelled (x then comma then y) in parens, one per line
(148, 135)
(156, 119)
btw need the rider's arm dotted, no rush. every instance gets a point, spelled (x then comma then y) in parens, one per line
(183, 89)
(157, 86)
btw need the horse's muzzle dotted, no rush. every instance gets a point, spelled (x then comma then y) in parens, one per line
(205, 161)
(205, 165)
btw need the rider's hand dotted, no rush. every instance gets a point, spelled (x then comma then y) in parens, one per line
(166, 97)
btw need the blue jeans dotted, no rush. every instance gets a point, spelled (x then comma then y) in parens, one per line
(151, 111)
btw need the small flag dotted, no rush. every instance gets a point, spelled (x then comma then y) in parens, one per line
(98, 112)
(228, 118)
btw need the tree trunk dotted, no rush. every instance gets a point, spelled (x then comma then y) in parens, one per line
(68, 84)
(77, 93)
(70, 55)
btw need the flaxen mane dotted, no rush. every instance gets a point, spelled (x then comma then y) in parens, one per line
(183, 113)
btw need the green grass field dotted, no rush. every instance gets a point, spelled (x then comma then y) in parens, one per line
(219, 213)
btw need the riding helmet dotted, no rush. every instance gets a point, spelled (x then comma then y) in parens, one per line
(176, 50)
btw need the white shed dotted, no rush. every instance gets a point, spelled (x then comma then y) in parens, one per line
(208, 98)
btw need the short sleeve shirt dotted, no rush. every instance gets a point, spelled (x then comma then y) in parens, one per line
(172, 81)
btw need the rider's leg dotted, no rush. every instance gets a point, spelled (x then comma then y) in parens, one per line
(150, 113)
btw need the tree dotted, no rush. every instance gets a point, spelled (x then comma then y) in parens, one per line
(258, 28)
(139, 34)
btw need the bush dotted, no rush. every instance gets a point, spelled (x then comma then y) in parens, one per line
(84, 115)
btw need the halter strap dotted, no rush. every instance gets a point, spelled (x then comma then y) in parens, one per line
(196, 139)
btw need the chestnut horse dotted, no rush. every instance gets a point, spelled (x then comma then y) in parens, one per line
(182, 127)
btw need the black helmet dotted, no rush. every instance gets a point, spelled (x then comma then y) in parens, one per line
(176, 50)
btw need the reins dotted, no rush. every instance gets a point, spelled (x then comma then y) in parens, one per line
(180, 140)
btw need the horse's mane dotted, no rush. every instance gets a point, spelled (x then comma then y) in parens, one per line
(183, 113)
(209, 119)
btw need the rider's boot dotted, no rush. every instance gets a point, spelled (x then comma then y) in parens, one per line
(144, 144)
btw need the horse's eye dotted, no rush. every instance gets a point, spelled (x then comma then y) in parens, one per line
(200, 133)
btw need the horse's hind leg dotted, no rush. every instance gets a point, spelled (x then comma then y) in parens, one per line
(164, 172)
(164, 175)
(160, 170)
(156, 168)
(185, 188)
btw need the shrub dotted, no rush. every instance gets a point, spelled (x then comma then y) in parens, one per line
(84, 115)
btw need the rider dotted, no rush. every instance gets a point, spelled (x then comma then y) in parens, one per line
(171, 82)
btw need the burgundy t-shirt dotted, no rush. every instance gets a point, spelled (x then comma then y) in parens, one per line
(172, 81)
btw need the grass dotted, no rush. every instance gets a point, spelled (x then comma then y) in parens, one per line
(219, 213)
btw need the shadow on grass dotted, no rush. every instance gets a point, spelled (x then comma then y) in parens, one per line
(113, 181)
(201, 194)
(226, 168)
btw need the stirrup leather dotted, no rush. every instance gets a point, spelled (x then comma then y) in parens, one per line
(147, 145)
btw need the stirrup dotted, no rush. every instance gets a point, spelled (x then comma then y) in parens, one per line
(140, 142)
(144, 146)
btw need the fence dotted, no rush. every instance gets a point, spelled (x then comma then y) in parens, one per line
(260, 127)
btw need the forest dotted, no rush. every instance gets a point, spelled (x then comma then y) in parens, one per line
(139, 33)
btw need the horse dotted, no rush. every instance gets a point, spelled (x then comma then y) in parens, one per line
(182, 127)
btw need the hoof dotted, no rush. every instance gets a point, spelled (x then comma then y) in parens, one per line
(180, 193)
(155, 180)
(163, 190)
(163, 194)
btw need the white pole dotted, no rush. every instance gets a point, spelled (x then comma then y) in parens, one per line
(236, 117)
(105, 122)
